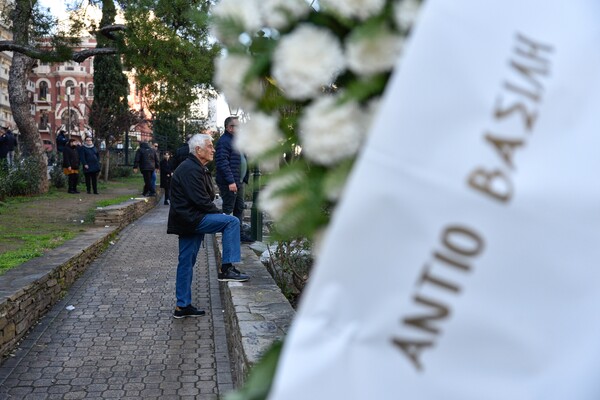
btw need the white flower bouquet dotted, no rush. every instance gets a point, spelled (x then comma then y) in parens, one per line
(308, 76)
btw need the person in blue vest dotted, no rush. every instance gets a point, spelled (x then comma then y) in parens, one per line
(232, 173)
(90, 159)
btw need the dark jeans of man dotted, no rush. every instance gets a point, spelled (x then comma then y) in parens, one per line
(233, 202)
(91, 181)
(148, 190)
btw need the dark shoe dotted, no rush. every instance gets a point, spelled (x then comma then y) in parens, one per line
(246, 239)
(189, 311)
(232, 275)
(151, 195)
(88, 192)
(96, 193)
(76, 191)
(71, 192)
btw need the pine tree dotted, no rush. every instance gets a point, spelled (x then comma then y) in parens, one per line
(109, 108)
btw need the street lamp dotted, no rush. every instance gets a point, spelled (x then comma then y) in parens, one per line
(68, 112)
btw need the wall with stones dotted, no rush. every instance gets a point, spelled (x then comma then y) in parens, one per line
(29, 291)
(257, 314)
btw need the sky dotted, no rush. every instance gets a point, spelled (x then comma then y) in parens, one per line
(57, 7)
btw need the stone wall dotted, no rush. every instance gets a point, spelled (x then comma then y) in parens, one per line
(124, 213)
(256, 314)
(29, 291)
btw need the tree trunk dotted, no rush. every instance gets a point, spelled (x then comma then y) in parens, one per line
(106, 163)
(20, 105)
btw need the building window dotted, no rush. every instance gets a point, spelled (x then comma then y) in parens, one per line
(43, 90)
(90, 90)
(58, 89)
(70, 88)
(44, 121)
(70, 124)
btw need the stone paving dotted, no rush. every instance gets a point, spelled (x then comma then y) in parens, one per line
(119, 339)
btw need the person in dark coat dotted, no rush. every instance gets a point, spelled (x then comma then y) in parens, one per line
(71, 165)
(193, 214)
(61, 141)
(181, 154)
(232, 173)
(147, 161)
(11, 143)
(90, 159)
(3, 144)
(166, 172)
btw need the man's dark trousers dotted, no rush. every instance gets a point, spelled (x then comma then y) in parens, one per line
(148, 182)
(233, 202)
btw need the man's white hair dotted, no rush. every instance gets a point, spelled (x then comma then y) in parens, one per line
(199, 140)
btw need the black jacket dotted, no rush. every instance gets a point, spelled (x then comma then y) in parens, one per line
(166, 171)
(61, 142)
(192, 196)
(180, 155)
(145, 158)
(70, 157)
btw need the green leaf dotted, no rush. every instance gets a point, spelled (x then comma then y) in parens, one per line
(260, 378)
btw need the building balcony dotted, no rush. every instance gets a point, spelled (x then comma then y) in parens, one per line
(47, 99)
(42, 69)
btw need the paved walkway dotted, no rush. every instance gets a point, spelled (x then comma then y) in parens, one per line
(120, 341)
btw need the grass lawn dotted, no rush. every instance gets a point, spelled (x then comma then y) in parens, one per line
(31, 225)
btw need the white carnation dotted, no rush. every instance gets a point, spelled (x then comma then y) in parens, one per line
(367, 55)
(330, 132)
(280, 13)
(361, 9)
(230, 72)
(405, 13)
(306, 60)
(258, 135)
(245, 13)
(273, 202)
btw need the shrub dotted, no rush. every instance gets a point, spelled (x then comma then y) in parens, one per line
(20, 180)
(120, 172)
(57, 178)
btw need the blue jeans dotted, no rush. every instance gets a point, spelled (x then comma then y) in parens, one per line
(189, 245)
(153, 181)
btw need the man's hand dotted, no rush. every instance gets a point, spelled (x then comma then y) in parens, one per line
(233, 187)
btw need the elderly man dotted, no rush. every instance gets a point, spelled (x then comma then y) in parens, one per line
(192, 214)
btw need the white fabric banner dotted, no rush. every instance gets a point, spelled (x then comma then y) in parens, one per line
(463, 262)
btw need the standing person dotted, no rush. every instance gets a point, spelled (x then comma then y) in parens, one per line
(153, 179)
(166, 172)
(181, 153)
(3, 144)
(192, 214)
(90, 159)
(147, 161)
(232, 173)
(11, 143)
(61, 141)
(71, 165)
